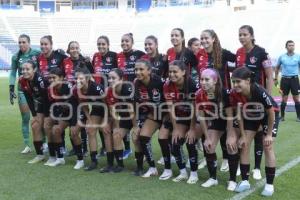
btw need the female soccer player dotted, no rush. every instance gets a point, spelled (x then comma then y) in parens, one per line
(148, 98)
(213, 108)
(257, 60)
(87, 93)
(179, 93)
(126, 62)
(119, 98)
(180, 52)
(65, 116)
(25, 53)
(34, 88)
(248, 95)
(103, 62)
(214, 56)
(159, 61)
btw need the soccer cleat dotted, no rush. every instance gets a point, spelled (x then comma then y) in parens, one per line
(192, 179)
(231, 186)
(58, 161)
(202, 164)
(26, 150)
(138, 172)
(167, 174)
(256, 174)
(152, 171)
(107, 169)
(50, 160)
(118, 169)
(224, 167)
(268, 190)
(37, 159)
(242, 186)
(91, 167)
(79, 164)
(209, 183)
(180, 177)
(238, 172)
(126, 154)
(45, 148)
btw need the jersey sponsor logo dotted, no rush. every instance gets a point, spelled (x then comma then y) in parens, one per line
(53, 61)
(33, 58)
(156, 95)
(108, 59)
(253, 59)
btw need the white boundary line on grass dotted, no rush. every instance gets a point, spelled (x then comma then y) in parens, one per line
(261, 183)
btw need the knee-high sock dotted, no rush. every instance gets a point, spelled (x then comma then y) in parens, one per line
(126, 141)
(270, 174)
(176, 149)
(211, 160)
(297, 107)
(223, 146)
(83, 139)
(193, 156)
(25, 127)
(233, 162)
(38, 145)
(147, 149)
(166, 153)
(282, 109)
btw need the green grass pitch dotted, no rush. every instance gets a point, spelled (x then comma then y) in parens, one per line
(21, 181)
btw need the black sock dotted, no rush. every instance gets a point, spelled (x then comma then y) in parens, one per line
(270, 174)
(139, 156)
(233, 162)
(78, 151)
(126, 141)
(110, 158)
(38, 145)
(83, 136)
(297, 107)
(223, 146)
(282, 109)
(211, 160)
(193, 156)
(51, 148)
(102, 139)
(245, 168)
(258, 148)
(166, 153)
(176, 149)
(147, 149)
(119, 157)
(59, 150)
(93, 155)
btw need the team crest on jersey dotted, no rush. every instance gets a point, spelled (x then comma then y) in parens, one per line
(253, 59)
(132, 58)
(33, 58)
(156, 95)
(108, 59)
(53, 61)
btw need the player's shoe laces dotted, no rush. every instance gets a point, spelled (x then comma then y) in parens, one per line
(79, 164)
(26, 150)
(183, 176)
(209, 183)
(152, 171)
(231, 186)
(256, 174)
(167, 174)
(268, 190)
(50, 160)
(202, 164)
(224, 167)
(37, 159)
(58, 161)
(242, 186)
(126, 154)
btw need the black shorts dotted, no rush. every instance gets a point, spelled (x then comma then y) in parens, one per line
(253, 125)
(127, 124)
(288, 84)
(217, 124)
(40, 108)
(97, 111)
